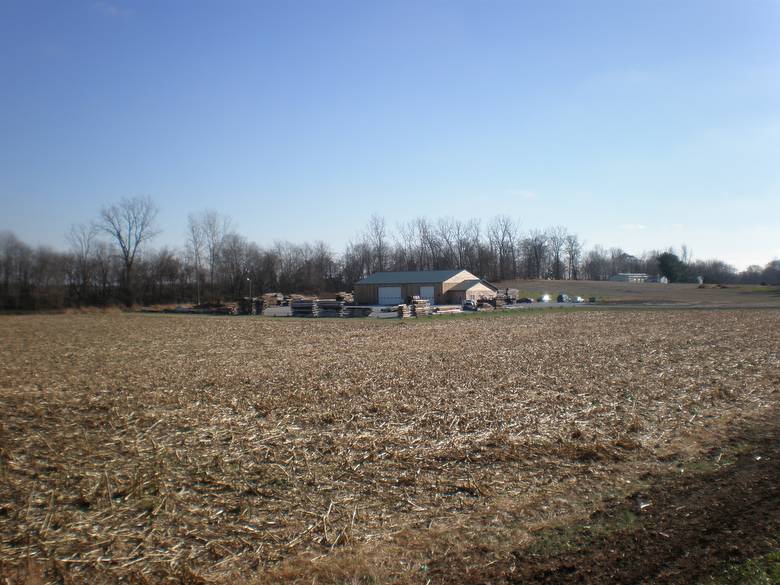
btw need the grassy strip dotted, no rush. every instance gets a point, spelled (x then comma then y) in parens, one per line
(762, 570)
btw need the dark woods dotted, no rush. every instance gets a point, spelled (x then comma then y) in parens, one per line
(111, 261)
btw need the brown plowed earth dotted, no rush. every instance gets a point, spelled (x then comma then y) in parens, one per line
(696, 525)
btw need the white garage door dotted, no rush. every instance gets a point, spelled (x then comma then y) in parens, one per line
(390, 295)
(427, 292)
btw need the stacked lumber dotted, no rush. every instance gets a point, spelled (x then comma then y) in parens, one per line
(299, 297)
(353, 311)
(421, 307)
(447, 310)
(272, 299)
(330, 308)
(500, 301)
(404, 312)
(304, 308)
(347, 297)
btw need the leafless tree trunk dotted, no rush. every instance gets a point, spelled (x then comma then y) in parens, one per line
(573, 252)
(502, 235)
(214, 227)
(196, 240)
(446, 231)
(377, 237)
(536, 251)
(556, 238)
(81, 239)
(130, 223)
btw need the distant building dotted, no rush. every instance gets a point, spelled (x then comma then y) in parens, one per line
(630, 277)
(441, 287)
(638, 277)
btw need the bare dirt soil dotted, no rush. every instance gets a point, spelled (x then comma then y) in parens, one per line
(682, 528)
(515, 448)
(625, 292)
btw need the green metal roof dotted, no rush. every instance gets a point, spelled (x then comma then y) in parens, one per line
(410, 277)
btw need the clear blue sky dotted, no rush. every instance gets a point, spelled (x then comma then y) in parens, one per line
(641, 124)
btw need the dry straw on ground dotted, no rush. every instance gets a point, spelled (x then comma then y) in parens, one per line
(155, 448)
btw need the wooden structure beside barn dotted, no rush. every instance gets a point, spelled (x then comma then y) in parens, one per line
(440, 287)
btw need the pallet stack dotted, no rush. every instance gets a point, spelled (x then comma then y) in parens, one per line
(348, 298)
(304, 308)
(272, 299)
(330, 308)
(296, 297)
(447, 310)
(421, 308)
(404, 312)
(352, 311)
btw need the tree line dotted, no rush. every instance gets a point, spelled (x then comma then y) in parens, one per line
(110, 260)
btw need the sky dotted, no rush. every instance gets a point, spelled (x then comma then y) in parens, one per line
(642, 124)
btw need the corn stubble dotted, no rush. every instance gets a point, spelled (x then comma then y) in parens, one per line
(152, 449)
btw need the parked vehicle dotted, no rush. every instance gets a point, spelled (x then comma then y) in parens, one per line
(525, 300)
(579, 300)
(564, 298)
(469, 305)
(545, 298)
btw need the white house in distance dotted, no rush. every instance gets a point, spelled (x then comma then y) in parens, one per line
(441, 287)
(638, 277)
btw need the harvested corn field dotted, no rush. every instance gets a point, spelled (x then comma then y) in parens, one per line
(156, 448)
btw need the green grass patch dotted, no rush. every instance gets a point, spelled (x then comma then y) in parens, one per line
(763, 570)
(578, 536)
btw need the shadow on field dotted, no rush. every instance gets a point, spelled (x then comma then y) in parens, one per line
(686, 528)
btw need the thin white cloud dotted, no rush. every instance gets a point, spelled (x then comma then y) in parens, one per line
(633, 227)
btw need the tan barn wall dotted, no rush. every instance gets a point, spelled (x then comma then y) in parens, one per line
(476, 292)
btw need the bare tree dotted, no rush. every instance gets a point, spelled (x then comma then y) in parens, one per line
(502, 234)
(573, 253)
(81, 238)
(130, 223)
(596, 264)
(446, 231)
(556, 238)
(233, 261)
(215, 228)
(196, 241)
(377, 237)
(536, 253)
(469, 247)
(427, 244)
(686, 254)
(407, 257)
